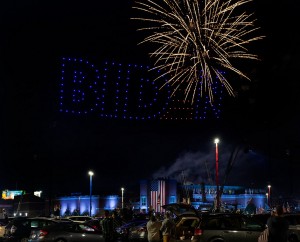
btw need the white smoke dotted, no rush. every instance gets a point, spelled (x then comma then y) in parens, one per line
(198, 167)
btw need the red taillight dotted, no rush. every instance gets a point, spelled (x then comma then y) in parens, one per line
(198, 231)
(43, 233)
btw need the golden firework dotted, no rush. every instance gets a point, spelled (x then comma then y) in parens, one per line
(196, 41)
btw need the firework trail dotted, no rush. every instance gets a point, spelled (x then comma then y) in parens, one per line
(197, 41)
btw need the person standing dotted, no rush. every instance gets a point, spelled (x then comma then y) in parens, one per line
(107, 227)
(117, 222)
(167, 227)
(5, 216)
(153, 228)
(278, 226)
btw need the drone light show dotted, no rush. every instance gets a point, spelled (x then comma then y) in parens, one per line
(112, 90)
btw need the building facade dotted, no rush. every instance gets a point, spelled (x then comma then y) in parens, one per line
(155, 193)
(80, 204)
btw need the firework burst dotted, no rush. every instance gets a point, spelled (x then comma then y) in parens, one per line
(197, 41)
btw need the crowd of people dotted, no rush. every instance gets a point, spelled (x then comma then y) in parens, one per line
(162, 230)
(157, 230)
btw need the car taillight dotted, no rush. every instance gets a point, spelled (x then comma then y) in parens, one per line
(38, 234)
(198, 231)
(43, 233)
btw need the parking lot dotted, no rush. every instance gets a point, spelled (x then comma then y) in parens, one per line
(191, 225)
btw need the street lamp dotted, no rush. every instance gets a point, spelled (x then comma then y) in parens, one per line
(91, 176)
(122, 189)
(217, 173)
(269, 194)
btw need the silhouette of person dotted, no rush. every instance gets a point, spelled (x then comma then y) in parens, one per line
(167, 227)
(107, 227)
(5, 216)
(278, 226)
(153, 228)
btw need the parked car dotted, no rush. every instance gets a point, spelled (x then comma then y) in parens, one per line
(186, 218)
(18, 229)
(229, 227)
(138, 233)
(122, 232)
(69, 231)
(95, 223)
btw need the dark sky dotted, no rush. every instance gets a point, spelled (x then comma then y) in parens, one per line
(41, 148)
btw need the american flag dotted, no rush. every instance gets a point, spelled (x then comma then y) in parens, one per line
(157, 194)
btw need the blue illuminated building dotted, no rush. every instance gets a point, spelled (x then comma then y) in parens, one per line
(233, 197)
(80, 204)
(154, 193)
(199, 195)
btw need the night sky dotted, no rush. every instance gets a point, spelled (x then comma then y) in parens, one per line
(42, 148)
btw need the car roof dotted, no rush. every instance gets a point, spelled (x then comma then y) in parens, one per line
(37, 218)
(78, 216)
(224, 215)
(180, 209)
(20, 220)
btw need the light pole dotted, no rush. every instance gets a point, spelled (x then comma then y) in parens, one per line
(122, 190)
(91, 185)
(269, 195)
(217, 173)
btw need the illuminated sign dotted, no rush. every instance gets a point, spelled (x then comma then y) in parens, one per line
(8, 194)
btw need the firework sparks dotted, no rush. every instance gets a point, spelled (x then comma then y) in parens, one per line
(197, 41)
